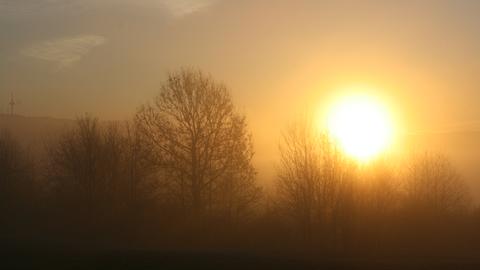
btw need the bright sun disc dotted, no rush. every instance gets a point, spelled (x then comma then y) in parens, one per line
(361, 126)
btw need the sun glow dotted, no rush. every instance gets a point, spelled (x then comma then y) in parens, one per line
(361, 126)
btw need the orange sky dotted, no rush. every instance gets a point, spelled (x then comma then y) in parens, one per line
(65, 57)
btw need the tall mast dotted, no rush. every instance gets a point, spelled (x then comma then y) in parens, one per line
(12, 104)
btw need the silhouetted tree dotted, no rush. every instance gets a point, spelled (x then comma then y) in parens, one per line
(433, 184)
(315, 184)
(76, 166)
(377, 202)
(201, 144)
(18, 190)
(299, 175)
(435, 203)
(102, 174)
(139, 170)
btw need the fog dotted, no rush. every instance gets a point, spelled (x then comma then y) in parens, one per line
(67, 60)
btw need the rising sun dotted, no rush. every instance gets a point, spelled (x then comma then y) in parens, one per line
(361, 126)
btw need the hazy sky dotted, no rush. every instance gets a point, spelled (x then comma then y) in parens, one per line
(66, 57)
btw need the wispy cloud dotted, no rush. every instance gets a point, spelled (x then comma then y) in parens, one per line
(185, 7)
(64, 52)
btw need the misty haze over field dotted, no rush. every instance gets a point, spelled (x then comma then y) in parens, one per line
(311, 129)
(63, 58)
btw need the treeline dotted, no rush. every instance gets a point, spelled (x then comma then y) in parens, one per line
(180, 175)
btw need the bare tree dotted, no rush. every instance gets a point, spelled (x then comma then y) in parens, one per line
(18, 188)
(377, 203)
(15, 167)
(299, 175)
(315, 184)
(380, 186)
(140, 170)
(102, 175)
(75, 165)
(432, 183)
(201, 143)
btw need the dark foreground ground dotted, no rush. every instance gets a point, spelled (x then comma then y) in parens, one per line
(18, 259)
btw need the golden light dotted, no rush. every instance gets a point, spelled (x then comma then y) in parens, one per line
(361, 126)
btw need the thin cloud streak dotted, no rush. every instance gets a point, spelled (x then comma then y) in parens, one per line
(64, 52)
(181, 8)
